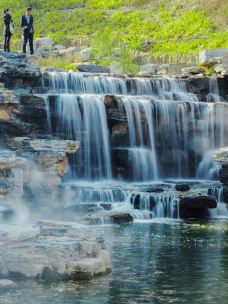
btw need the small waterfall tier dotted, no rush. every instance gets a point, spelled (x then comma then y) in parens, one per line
(84, 117)
(222, 208)
(145, 201)
(136, 130)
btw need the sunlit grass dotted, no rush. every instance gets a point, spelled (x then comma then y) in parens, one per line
(183, 27)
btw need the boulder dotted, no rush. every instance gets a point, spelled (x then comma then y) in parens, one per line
(92, 68)
(192, 70)
(85, 55)
(115, 217)
(163, 69)
(44, 43)
(58, 47)
(148, 70)
(154, 188)
(211, 57)
(116, 68)
(70, 51)
(173, 69)
(197, 202)
(52, 252)
(196, 206)
(14, 66)
(182, 187)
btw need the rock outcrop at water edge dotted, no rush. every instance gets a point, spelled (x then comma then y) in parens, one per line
(52, 251)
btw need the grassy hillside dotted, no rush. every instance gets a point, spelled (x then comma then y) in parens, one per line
(172, 27)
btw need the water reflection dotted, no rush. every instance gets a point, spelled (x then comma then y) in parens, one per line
(152, 263)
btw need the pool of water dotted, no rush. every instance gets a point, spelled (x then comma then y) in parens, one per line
(153, 262)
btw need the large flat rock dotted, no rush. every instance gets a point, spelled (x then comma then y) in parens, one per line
(16, 65)
(52, 251)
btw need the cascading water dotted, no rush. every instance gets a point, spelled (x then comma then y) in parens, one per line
(159, 205)
(144, 160)
(171, 133)
(180, 135)
(82, 117)
(221, 209)
(213, 96)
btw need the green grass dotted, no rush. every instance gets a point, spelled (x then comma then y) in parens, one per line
(173, 27)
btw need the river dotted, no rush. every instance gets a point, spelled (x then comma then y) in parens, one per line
(158, 261)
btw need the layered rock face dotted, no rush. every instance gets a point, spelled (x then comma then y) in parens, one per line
(168, 130)
(52, 251)
(19, 71)
(31, 158)
(32, 165)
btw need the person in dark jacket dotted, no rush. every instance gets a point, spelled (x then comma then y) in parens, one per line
(27, 26)
(7, 19)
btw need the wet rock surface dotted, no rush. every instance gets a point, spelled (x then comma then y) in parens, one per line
(196, 206)
(50, 155)
(115, 217)
(197, 202)
(182, 187)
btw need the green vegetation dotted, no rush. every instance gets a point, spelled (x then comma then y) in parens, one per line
(123, 26)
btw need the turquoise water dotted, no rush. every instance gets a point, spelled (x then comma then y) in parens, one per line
(153, 262)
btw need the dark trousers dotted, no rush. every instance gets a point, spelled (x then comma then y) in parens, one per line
(7, 38)
(28, 37)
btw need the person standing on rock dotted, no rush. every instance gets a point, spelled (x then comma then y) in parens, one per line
(27, 26)
(8, 29)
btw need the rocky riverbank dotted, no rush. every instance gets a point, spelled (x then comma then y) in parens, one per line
(84, 148)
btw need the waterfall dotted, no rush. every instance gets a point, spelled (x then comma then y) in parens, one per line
(213, 96)
(179, 133)
(157, 205)
(222, 209)
(79, 83)
(83, 118)
(171, 133)
(48, 111)
(207, 169)
(144, 161)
